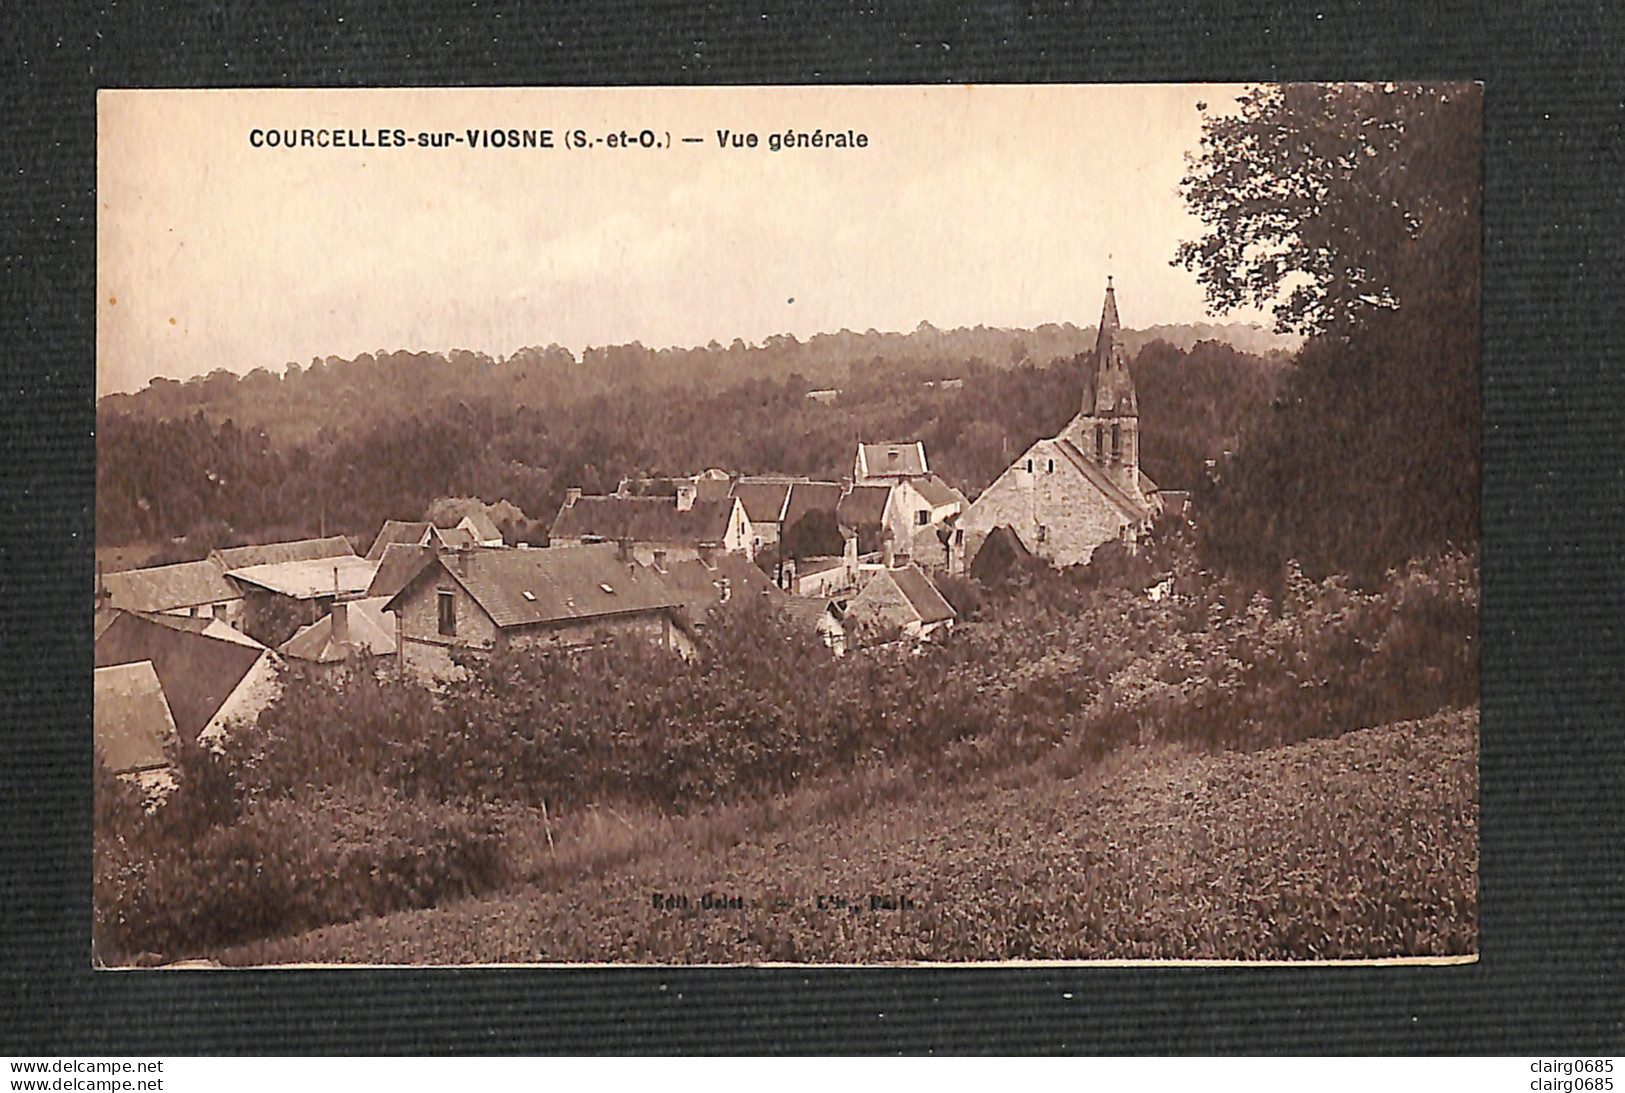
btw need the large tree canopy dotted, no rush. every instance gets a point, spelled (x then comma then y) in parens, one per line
(1356, 209)
(1338, 202)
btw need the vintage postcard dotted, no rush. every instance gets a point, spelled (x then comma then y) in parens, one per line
(787, 525)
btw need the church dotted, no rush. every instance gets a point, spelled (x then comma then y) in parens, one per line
(1068, 494)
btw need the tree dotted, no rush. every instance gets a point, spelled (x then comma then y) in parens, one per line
(814, 535)
(1338, 201)
(1357, 208)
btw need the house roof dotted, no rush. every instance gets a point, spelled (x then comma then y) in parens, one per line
(643, 520)
(458, 538)
(298, 550)
(890, 458)
(484, 527)
(921, 593)
(1147, 486)
(400, 563)
(413, 532)
(197, 666)
(132, 718)
(555, 584)
(764, 501)
(807, 497)
(808, 610)
(372, 629)
(863, 505)
(166, 587)
(699, 586)
(312, 578)
(1125, 504)
(809, 567)
(707, 488)
(938, 492)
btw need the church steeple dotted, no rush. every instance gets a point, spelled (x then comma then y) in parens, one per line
(1111, 389)
(1107, 430)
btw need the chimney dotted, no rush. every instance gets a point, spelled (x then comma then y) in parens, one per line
(685, 496)
(459, 560)
(623, 548)
(886, 551)
(341, 624)
(571, 496)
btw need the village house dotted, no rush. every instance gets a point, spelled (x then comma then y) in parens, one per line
(352, 629)
(659, 530)
(298, 591)
(482, 528)
(554, 598)
(901, 599)
(1068, 494)
(194, 589)
(729, 580)
(764, 500)
(133, 726)
(400, 563)
(825, 575)
(821, 615)
(424, 534)
(889, 462)
(212, 676)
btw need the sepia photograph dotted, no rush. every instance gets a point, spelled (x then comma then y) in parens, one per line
(826, 525)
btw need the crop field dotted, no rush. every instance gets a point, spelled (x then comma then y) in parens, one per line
(1364, 845)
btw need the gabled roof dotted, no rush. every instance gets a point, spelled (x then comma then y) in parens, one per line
(411, 532)
(400, 563)
(809, 610)
(1125, 504)
(699, 586)
(709, 488)
(938, 492)
(371, 630)
(863, 505)
(297, 550)
(764, 501)
(133, 723)
(458, 538)
(922, 595)
(311, 579)
(890, 458)
(197, 669)
(167, 587)
(482, 525)
(807, 497)
(643, 520)
(555, 584)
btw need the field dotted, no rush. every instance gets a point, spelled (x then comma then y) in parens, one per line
(1364, 845)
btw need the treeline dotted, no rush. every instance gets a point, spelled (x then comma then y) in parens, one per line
(315, 405)
(221, 483)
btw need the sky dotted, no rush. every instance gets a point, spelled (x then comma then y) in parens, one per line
(1002, 206)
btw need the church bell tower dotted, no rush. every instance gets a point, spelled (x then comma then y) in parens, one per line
(1107, 430)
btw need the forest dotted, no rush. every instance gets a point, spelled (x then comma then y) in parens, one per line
(219, 482)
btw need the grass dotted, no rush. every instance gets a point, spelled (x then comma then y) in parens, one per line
(1365, 845)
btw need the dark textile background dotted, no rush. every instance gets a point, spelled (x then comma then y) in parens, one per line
(1550, 978)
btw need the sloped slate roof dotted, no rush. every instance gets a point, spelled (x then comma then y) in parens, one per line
(166, 587)
(198, 671)
(132, 718)
(922, 594)
(643, 520)
(562, 583)
(863, 505)
(371, 629)
(400, 563)
(297, 550)
(807, 610)
(712, 489)
(938, 492)
(411, 532)
(1097, 477)
(457, 538)
(484, 527)
(699, 586)
(311, 578)
(764, 501)
(807, 497)
(878, 459)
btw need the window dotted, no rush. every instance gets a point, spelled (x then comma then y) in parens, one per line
(192, 611)
(448, 612)
(922, 517)
(660, 560)
(1117, 444)
(959, 535)
(1052, 466)
(1043, 533)
(219, 610)
(1100, 442)
(1029, 466)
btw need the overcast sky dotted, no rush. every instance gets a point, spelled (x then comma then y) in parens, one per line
(991, 205)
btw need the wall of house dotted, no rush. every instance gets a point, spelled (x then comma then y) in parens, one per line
(422, 647)
(1074, 514)
(740, 536)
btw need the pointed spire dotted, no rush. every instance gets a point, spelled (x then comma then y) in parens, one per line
(1112, 389)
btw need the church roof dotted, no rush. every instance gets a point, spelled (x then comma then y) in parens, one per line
(1111, 388)
(1098, 478)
